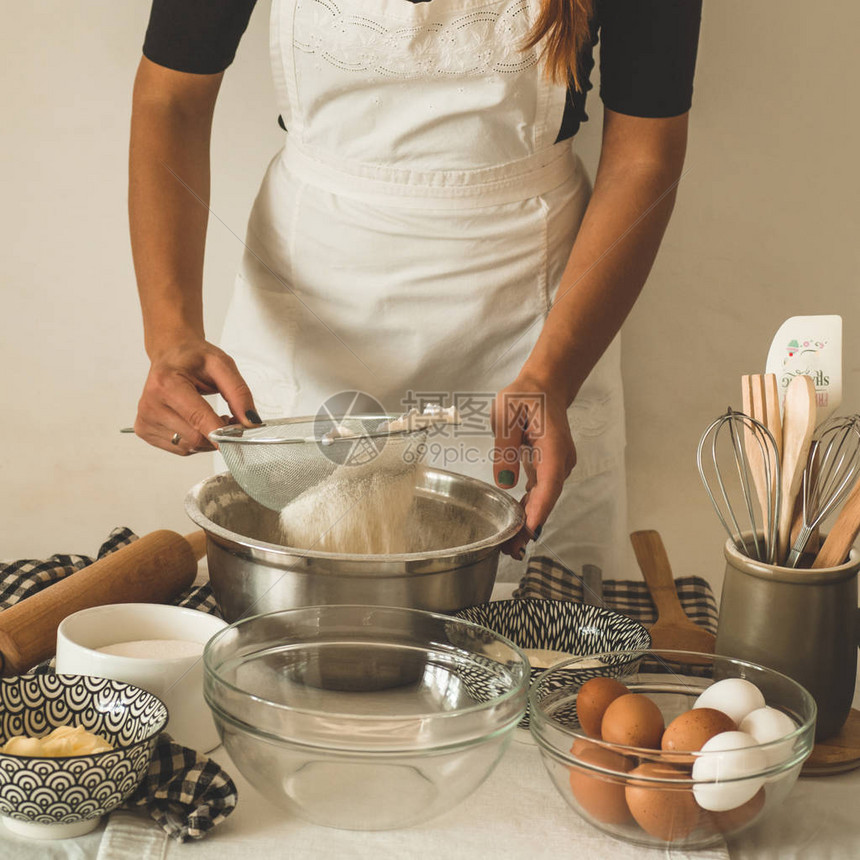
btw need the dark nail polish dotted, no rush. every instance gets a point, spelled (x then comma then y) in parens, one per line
(253, 417)
(506, 478)
(537, 531)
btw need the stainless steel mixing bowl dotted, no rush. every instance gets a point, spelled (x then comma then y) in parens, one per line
(457, 526)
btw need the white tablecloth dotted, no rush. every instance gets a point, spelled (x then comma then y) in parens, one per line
(516, 813)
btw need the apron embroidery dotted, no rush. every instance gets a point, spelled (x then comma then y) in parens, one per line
(474, 43)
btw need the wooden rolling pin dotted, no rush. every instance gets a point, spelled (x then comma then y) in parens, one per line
(154, 569)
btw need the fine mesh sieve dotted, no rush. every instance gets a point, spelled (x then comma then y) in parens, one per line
(279, 460)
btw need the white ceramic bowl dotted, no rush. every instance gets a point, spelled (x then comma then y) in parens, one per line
(177, 681)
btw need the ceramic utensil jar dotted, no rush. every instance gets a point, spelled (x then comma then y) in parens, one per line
(804, 623)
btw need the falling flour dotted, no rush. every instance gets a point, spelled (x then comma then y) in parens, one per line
(356, 510)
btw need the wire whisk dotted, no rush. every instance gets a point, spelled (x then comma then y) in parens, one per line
(831, 471)
(727, 484)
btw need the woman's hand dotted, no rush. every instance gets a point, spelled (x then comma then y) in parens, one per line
(531, 427)
(172, 413)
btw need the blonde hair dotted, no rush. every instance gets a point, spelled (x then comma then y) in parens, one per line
(566, 27)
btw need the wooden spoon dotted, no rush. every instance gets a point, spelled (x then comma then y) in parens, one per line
(798, 425)
(672, 629)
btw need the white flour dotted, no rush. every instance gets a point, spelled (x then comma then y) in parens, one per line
(154, 649)
(357, 510)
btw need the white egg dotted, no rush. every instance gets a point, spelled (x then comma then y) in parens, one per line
(733, 696)
(722, 765)
(769, 724)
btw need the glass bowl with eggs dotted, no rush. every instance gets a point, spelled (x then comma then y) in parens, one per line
(671, 748)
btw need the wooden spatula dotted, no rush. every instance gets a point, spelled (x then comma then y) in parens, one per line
(672, 630)
(798, 425)
(843, 534)
(752, 396)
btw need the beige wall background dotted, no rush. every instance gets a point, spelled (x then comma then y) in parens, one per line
(766, 227)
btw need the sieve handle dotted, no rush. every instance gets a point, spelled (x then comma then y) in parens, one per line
(154, 569)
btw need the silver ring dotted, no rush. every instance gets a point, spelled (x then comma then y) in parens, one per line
(175, 439)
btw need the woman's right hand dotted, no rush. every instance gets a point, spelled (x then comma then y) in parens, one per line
(172, 401)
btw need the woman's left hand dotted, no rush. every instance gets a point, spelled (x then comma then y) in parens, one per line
(531, 428)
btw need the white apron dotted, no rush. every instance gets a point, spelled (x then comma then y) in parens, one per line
(410, 235)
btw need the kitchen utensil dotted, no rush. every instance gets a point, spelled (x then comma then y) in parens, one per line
(277, 461)
(176, 679)
(588, 773)
(729, 487)
(813, 542)
(798, 426)
(456, 528)
(362, 717)
(761, 402)
(561, 626)
(830, 474)
(672, 629)
(843, 534)
(772, 414)
(154, 569)
(804, 623)
(59, 798)
(752, 396)
(810, 346)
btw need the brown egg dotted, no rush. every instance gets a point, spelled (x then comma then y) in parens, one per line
(732, 820)
(663, 812)
(593, 699)
(690, 731)
(580, 746)
(601, 797)
(633, 720)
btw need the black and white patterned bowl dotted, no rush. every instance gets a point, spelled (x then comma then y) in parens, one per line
(62, 797)
(561, 625)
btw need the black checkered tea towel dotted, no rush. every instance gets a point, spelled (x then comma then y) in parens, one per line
(547, 578)
(185, 792)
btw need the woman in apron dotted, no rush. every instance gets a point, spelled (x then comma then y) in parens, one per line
(425, 234)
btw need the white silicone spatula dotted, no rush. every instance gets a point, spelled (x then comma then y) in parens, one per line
(811, 346)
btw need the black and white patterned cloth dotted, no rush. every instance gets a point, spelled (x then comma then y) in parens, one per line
(549, 579)
(185, 792)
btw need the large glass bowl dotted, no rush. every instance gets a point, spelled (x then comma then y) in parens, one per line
(594, 776)
(360, 717)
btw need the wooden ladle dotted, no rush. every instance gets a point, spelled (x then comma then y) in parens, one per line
(672, 629)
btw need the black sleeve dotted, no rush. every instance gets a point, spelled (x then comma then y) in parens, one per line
(648, 55)
(198, 36)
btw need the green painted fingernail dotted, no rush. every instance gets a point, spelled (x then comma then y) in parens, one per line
(506, 478)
